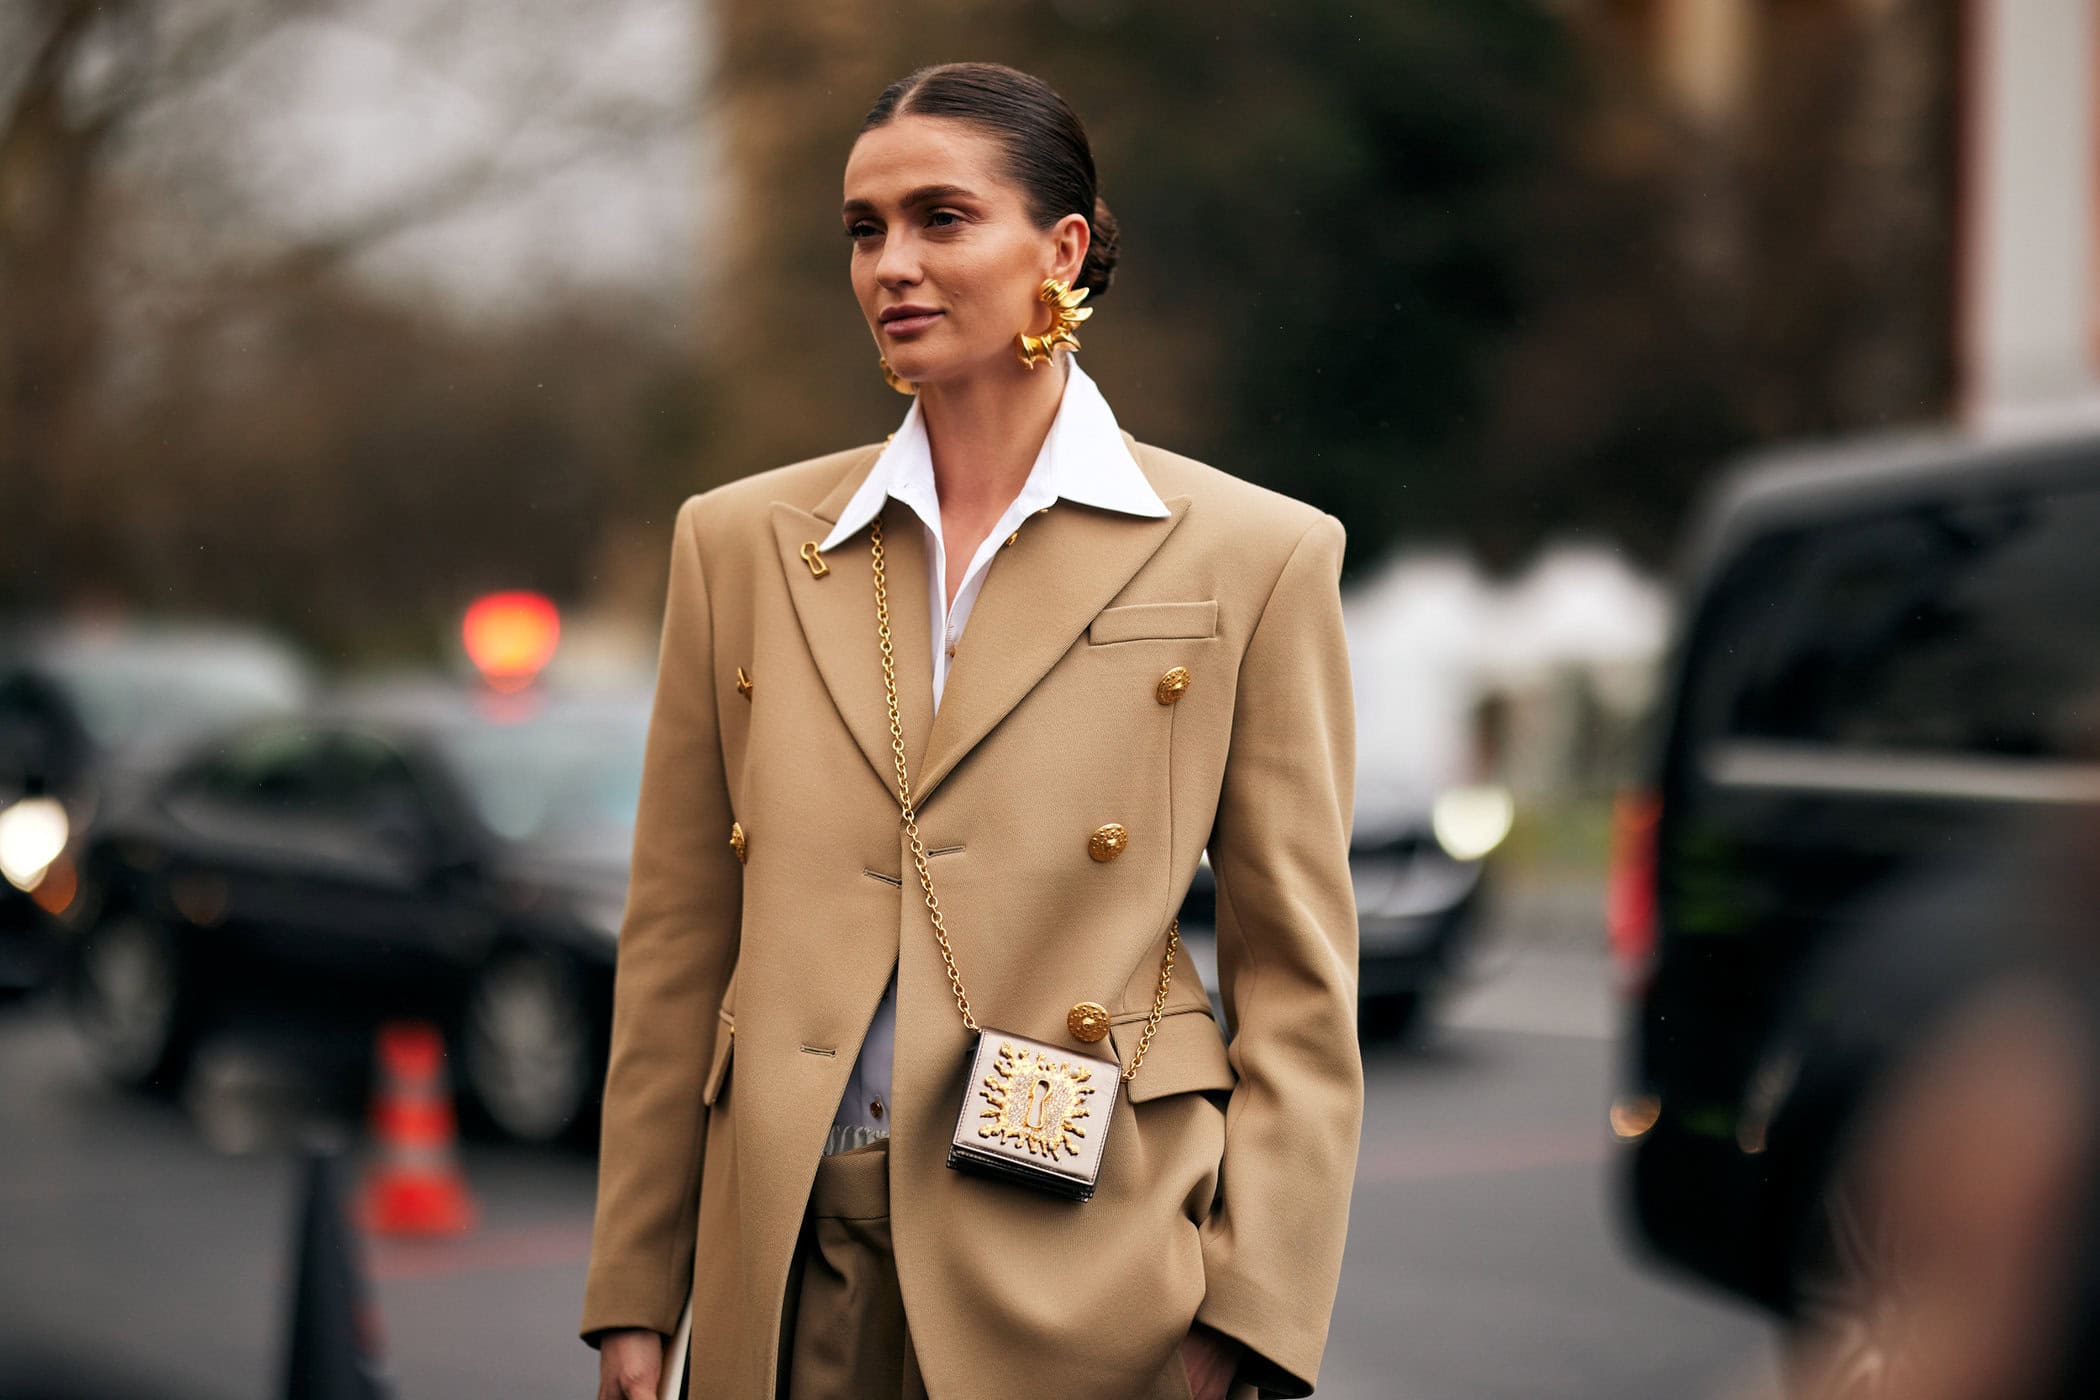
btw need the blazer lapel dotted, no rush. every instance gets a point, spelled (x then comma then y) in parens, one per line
(1038, 596)
(837, 613)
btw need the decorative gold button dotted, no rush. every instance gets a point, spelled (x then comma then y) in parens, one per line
(815, 560)
(743, 683)
(1171, 685)
(1088, 1021)
(736, 840)
(1108, 841)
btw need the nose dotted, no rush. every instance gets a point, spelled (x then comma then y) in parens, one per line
(898, 263)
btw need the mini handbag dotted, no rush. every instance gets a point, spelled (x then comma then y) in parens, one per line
(1033, 1113)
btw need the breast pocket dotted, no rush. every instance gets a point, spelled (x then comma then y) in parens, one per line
(1137, 622)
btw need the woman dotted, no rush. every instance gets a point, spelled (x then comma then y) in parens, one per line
(849, 839)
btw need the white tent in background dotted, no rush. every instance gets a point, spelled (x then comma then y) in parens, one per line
(1431, 638)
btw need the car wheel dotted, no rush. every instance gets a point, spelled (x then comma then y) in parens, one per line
(527, 1045)
(127, 1000)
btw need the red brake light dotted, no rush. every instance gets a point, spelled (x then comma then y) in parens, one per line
(1629, 890)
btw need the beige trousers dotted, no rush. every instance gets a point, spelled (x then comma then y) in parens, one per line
(843, 1334)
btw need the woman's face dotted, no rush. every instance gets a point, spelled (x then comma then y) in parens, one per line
(946, 260)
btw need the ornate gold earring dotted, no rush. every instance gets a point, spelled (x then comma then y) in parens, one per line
(1066, 314)
(893, 379)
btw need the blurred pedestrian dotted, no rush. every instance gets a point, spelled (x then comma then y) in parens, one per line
(871, 816)
(1945, 1125)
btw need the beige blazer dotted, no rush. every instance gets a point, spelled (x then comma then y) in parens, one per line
(747, 978)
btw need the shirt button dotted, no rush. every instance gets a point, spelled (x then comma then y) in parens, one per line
(875, 1107)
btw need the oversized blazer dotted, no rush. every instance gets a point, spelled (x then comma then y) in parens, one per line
(748, 973)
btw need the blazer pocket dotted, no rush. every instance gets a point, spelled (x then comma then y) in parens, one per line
(1187, 1052)
(1134, 622)
(725, 1046)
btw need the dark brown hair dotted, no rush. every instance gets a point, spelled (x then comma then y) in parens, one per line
(1047, 153)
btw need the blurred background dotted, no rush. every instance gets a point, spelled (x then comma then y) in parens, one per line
(354, 359)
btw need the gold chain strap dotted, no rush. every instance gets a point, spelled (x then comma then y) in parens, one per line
(918, 849)
(1159, 998)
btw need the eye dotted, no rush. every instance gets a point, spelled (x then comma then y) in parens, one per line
(860, 229)
(944, 218)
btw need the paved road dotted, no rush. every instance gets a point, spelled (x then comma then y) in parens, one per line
(1483, 1262)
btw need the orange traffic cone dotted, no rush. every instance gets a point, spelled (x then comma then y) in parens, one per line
(416, 1187)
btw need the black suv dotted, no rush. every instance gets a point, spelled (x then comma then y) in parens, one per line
(1887, 678)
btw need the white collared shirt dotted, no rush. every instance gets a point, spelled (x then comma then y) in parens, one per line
(1084, 459)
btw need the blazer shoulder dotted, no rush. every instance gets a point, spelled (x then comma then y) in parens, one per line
(1248, 513)
(734, 505)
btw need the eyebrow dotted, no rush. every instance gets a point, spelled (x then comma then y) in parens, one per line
(924, 194)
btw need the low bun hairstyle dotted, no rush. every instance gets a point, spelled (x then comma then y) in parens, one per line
(1047, 153)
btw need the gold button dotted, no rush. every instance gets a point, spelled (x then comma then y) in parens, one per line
(1171, 685)
(1108, 841)
(736, 840)
(875, 1107)
(743, 683)
(1087, 1020)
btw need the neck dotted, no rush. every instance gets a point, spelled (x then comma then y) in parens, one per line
(985, 432)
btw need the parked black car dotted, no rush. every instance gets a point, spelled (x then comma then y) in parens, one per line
(87, 707)
(411, 849)
(1887, 682)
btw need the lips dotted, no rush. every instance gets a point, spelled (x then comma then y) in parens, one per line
(907, 319)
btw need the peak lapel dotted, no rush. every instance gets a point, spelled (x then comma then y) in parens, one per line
(1039, 595)
(837, 613)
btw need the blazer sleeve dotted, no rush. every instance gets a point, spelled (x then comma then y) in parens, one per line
(1272, 1246)
(677, 943)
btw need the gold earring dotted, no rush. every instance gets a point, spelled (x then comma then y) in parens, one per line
(1066, 314)
(893, 379)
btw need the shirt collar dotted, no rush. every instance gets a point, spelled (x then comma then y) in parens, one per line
(1083, 459)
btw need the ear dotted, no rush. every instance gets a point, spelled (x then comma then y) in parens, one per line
(1070, 237)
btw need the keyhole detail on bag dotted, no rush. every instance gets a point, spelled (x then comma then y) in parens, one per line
(1038, 1105)
(1035, 1103)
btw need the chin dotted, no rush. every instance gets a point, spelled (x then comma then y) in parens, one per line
(919, 369)
(935, 369)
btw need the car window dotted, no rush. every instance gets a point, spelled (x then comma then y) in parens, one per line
(1966, 627)
(282, 770)
(364, 776)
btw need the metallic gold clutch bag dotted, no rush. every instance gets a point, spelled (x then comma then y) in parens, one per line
(1034, 1114)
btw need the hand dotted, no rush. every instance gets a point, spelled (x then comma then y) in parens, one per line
(630, 1364)
(1211, 1359)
